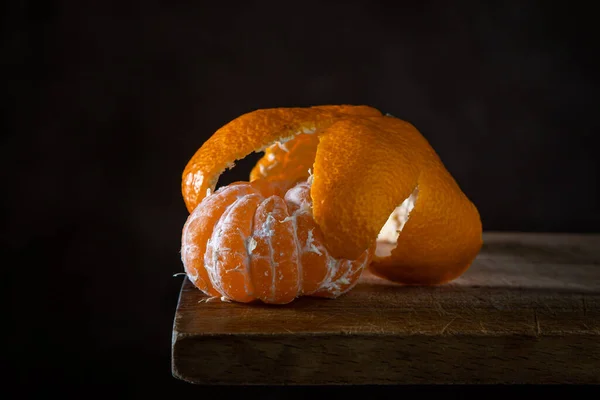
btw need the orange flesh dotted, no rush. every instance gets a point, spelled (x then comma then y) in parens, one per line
(309, 239)
(233, 264)
(263, 248)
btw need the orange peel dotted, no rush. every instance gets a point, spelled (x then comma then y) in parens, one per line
(374, 176)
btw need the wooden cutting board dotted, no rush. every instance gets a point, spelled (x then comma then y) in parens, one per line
(527, 311)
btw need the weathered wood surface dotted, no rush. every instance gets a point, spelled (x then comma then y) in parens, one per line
(527, 311)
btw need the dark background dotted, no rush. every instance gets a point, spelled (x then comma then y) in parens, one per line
(107, 101)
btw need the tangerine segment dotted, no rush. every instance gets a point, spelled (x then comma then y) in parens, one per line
(228, 248)
(363, 170)
(198, 229)
(260, 251)
(275, 261)
(309, 239)
(253, 132)
(344, 275)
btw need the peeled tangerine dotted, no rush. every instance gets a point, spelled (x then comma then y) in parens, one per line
(338, 188)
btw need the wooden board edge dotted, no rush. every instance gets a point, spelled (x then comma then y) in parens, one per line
(364, 359)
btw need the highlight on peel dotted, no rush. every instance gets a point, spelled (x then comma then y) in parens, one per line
(375, 178)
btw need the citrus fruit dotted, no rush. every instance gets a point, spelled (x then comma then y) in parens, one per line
(374, 178)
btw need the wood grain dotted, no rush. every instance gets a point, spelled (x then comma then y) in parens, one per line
(527, 311)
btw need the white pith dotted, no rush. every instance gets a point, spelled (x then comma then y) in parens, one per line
(393, 227)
